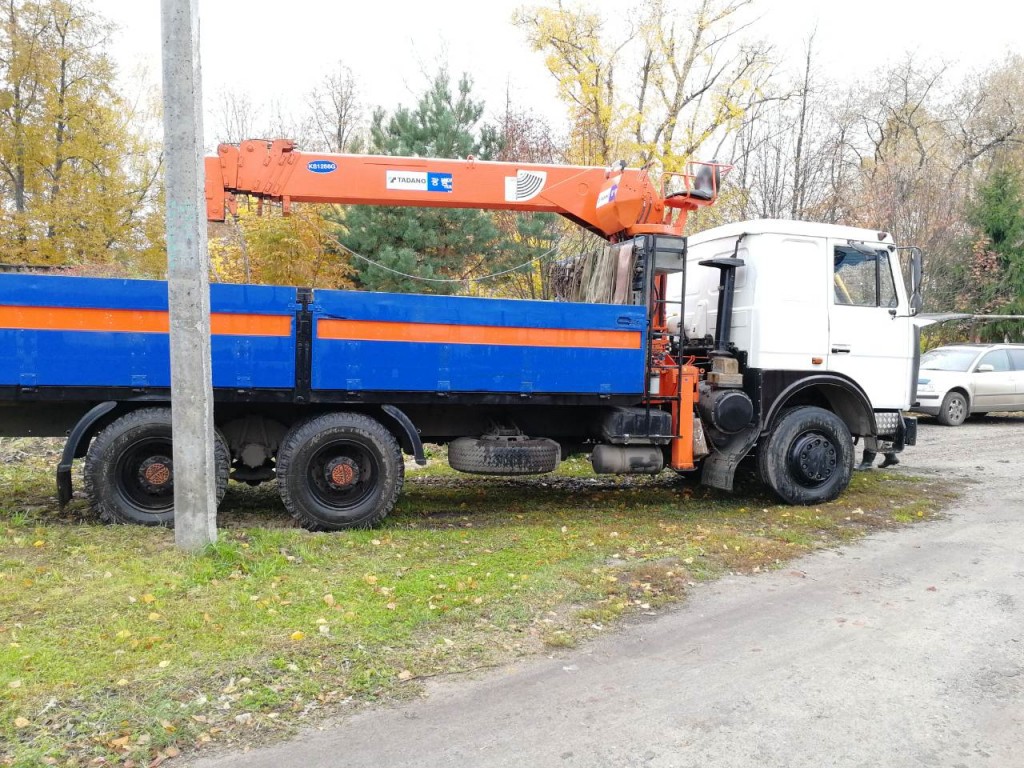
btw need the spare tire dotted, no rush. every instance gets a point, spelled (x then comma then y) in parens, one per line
(504, 456)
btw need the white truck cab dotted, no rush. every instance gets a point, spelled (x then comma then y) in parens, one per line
(820, 318)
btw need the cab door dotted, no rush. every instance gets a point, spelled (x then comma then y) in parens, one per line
(870, 338)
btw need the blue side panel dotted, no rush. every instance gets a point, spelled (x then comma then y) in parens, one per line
(355, 365)
(55, 357)
(254, 362)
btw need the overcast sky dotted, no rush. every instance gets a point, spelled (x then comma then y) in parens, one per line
(277, 51)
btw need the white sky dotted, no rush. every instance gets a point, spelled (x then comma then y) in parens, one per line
(277, 51)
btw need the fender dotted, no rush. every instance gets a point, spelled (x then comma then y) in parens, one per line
(410, 441)
(775, 394)
(71, 448)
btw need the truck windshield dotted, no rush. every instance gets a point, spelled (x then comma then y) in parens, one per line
(948, 359)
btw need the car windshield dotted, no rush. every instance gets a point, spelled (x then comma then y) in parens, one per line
(948, 359)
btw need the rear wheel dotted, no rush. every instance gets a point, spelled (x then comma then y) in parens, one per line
(808, 457)
(129, 469)
(339, 470)
(953, 411)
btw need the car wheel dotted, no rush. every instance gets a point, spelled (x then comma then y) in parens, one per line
(953, 410)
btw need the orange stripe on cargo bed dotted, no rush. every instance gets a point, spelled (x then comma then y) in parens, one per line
(445, 333)
(135, 321)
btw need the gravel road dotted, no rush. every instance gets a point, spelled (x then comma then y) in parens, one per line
(904, 650)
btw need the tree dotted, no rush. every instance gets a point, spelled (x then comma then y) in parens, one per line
(298, 249)
(992, 280)
(660, 90)
(79, 180)
(335, 112)
(527, 138)
(426, 249)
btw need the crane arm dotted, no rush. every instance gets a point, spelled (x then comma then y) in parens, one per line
(609, 203)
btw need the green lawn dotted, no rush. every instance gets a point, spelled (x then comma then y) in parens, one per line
(115, 645)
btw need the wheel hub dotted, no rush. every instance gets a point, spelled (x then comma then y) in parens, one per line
(813, 459)
(341, 473)
(155, 474)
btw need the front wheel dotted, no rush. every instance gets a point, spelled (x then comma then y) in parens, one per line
(808, 457)
(339, 470)
(953, 411)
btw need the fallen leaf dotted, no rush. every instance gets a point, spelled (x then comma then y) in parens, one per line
(405, 674)
(39, 543)
(154, 616)
(329, 599)
(148, 598)
(21, 722)
(298, 636)
(14, 684)
(164, 664)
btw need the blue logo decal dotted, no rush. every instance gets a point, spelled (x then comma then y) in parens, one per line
(322, 166)
(440, 182)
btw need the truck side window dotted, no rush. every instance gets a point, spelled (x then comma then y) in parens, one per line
(863, 280)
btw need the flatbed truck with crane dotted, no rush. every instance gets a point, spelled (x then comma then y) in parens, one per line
(780, 340)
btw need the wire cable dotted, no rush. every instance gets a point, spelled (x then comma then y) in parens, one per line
(421, 278)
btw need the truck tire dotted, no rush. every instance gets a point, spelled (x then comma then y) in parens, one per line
(338, 471)
(520, 456)
(953, 411)
(808, 457)
(129, 472)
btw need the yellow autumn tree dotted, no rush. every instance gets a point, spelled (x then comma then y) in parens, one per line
(268, 247)
(656, 90)
(78, 180)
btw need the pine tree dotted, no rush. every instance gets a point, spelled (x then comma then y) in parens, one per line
(410, 244)
(994, 279)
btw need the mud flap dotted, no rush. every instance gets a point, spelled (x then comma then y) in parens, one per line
(719, 469)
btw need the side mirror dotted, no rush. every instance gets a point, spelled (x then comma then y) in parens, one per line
(985, 368)
(916, 271)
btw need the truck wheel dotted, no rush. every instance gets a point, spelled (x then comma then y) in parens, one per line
(129, 471)
(808, 457)
(519, 456)
(339, 470)
(953, 411)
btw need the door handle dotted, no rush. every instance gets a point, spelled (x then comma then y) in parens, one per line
(841, 349)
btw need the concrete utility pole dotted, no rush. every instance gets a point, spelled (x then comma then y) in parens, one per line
(188, 272)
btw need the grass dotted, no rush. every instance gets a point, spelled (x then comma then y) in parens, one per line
(116, 646)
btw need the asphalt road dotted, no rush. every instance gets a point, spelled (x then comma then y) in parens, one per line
(904, 650)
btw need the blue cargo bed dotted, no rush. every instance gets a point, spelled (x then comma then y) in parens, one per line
(92, 333)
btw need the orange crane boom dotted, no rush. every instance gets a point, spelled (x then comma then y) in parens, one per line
(613, 203)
